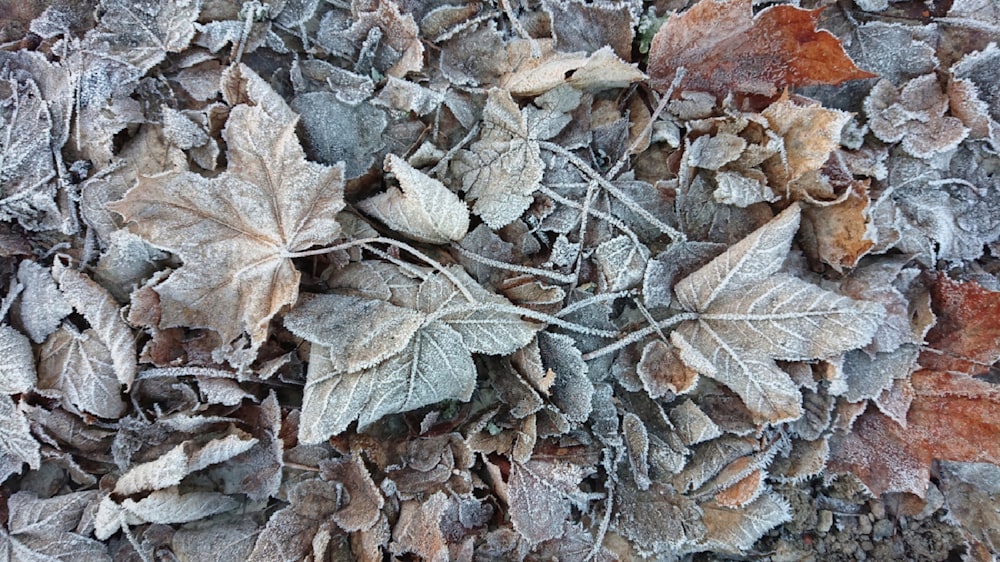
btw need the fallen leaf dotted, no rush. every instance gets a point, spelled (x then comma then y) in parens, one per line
(952, 417)
(966, 338)
(810, 133)
(17, 446)
(541, 493)
(235, 232)
(421, 207)
(724, 47)
(749, 314)
(46, 529)
(504, 167)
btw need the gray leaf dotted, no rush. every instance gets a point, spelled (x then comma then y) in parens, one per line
(358, 333)
(78, 367)
(435, 366)
(17, 363)
(17, 446)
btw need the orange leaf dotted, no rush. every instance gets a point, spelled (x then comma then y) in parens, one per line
(723, 47)
(966, 337)
(953, 417)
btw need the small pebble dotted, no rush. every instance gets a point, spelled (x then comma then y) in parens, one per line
(877, 509)
(864, 526)
(825, 521)
(883, 529)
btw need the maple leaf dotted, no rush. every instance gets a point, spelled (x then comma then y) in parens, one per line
(504, 167)
(237, 232)
(749, 314)
(415, 349)
(724, 47)
(952, 417)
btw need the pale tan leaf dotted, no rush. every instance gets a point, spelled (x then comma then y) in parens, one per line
(78, 367)
(421, 207)
(736, 530)
(810, 132)
(236, 231)
(419, 529)
(171, 467)
(434, 366)
(103, 314)
(504, 167)
(541, 494)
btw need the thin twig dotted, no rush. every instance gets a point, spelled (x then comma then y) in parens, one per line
(555, 276)
(638, 335)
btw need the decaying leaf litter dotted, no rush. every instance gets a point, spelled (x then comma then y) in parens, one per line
(441, 280)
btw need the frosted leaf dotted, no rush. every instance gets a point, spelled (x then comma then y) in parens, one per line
(103, 314)
(484, 329)
(78, 368)
(235, 231)
(915, 116)
(658, 520)
(662, 371)
(364, 502)
(17, 446)
(553, 110)
(357, 333)
(181, 131)
(749, 315)
(672, 264)
(976, 13)
(42, 530)
(434, 366)
(504, 167)
(714, 152)
(27, 167)
(170, 507)
(142, 33)
(419, 529)
(622, 263)
(868, 376)
(541, 494)
(741, 190)
(174, 465)
(692, 424)
(290, 531)
(970, 490)
(579, 26)
(17, 363)
(216, 540)
(421, 207)
(315, 75)
(809, 132)
(637, 444)
(736, 530)
(334, 131)
(572, 391)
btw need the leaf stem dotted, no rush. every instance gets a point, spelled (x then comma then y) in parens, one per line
(670, 231)
(639, 335)
(534, 315)
(401, 245)
(555, 276)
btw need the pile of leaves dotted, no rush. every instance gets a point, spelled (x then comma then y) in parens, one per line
(322, 280)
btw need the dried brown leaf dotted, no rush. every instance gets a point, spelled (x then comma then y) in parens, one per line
(236, 232)
(724, 47)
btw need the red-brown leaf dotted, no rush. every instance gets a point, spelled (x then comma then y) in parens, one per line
(723, 47)
(966, 337)
(953, 417)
